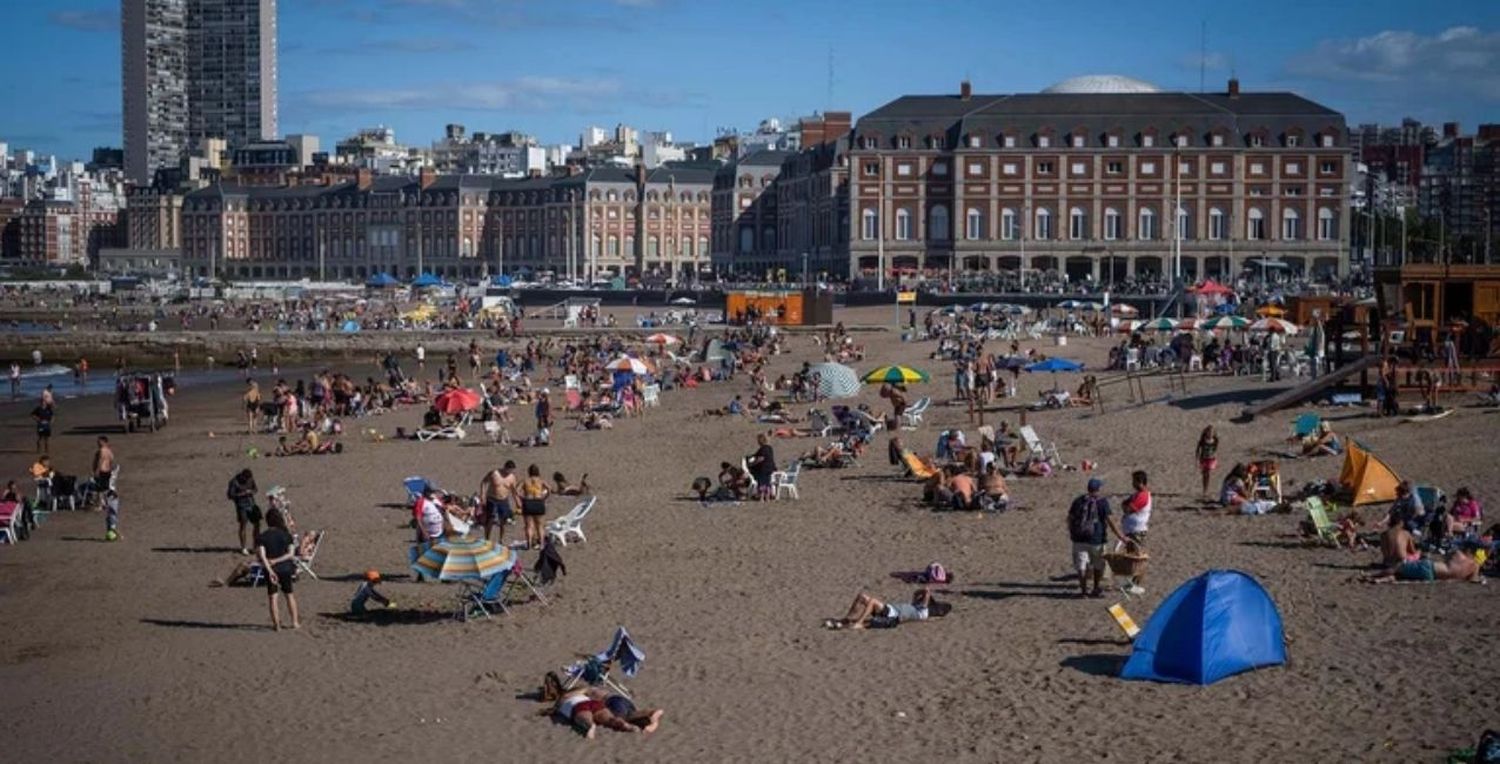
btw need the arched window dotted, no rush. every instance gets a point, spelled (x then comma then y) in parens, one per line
(653, 247)
(702, 245)
(594, 246)
(614, 246)
(768, 238)
(1111, 223)
(1184, 225)
(1291, 225)
(1218, 225)
(1078, 224)
(747, 240)
(974, 224)
(938, 223)
(1146, 230)
(1255, 225)
(1043, 224)
(1010, 225)
(870, 226)
(903, 224)
(1328, 225)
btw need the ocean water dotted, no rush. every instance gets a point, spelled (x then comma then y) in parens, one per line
(65, 385)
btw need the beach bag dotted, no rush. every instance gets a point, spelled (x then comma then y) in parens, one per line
(1083, 517)
(937, 574)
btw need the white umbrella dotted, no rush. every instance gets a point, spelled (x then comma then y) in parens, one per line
(1277, 325)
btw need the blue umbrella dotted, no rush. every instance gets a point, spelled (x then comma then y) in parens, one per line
(426, 280)
(381, 280)
(1055, 365)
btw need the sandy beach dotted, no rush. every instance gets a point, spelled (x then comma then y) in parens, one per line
(121, 652)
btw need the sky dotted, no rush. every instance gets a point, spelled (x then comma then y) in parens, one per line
(550, 68)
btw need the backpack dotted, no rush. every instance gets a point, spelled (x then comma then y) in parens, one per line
(1083, 518)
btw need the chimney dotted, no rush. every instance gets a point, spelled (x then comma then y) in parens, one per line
(363, 179)
(1234, 87)
(965, 90)
(426, 176)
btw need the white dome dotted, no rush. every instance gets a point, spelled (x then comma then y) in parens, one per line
(1103, 83)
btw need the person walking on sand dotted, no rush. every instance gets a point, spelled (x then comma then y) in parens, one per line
(104, 466)
(1208, 456)
(252, 404)
(421, 357)
(241, 493)
(15, 380)
(1136, 511)
(43, 416)
(274, 548)
(1089, 521)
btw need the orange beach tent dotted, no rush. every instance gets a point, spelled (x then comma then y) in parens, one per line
(1370, 480)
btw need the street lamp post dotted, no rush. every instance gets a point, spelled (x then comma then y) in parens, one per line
(804, 269)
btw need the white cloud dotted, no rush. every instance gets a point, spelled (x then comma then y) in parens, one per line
(1461, 58)
(521, 94)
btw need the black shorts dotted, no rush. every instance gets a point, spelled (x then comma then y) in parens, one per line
(285, 573)
(620, 706)
(44, 430)
(498, 510)
(533, 507)
(246, 511)
(101, 482)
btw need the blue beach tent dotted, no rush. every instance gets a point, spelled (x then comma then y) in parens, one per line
(426, 280)
(1216, 625)
(381, 280)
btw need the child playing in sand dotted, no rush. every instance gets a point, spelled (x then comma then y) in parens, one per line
(367, 592)
(111, 515)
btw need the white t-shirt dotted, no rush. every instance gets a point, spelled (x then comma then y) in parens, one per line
(432, 519)
(1136, 521)
(421, 353)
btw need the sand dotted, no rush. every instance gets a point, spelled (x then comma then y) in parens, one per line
(119, 651)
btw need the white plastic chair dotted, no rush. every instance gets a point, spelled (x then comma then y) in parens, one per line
(785, 482)
(571, 524)
(651, 395)
(1038, 448)
(1132, 359)
(497, 433)
(912, 417)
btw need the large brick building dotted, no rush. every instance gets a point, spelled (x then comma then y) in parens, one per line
(1083, 177)
(595, 224)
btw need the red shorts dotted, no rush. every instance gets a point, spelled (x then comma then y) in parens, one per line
(587, 705)
(1208, 464)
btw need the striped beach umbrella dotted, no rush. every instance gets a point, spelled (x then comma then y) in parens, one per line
(836, 380)
(1224, 322)
(459, 558)
(627, 363)
(1274, 325)
(1162, 324)
(662, 338)
(903, 375)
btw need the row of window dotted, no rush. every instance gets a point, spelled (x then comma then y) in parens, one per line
(1147, 228)
(1185, 168)
(1079, 140)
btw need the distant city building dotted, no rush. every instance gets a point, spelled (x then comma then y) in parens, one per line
(1460, 188)
(195, 69)
(510, 154)
(595, 223)
(307, 148)
(375, 149)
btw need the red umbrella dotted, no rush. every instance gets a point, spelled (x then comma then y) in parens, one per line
(1213, 287)
(457, 401)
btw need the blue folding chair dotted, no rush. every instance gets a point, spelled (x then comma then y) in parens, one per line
(476, 600)
(1306, 425)
(415, 485)
(595, 669)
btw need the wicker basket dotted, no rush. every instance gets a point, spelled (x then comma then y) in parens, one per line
(1127, 565)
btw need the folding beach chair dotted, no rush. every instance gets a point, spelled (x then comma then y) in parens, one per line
(47, 495)
(304, 564)
(1045, 451)
(415, 486)
(651, 395)
(595, 669)
(818, 423)
(1306, 424)
(474, 599)
(915, 467)
(10, 521)
(496, 432)
(571, 524)
(1317, 514)
(911, 418)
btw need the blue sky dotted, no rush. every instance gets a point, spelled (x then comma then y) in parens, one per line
(552, 67)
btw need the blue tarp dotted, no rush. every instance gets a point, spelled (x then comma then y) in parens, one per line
(501, 281)
(381, 280)
(351, 326)
(1216, 625)
(426, 280)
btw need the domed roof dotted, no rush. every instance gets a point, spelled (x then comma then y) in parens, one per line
(1103, 83)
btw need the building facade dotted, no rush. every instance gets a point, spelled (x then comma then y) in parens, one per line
(745, 214)
(1460, 188)
(154, 82)
(1095, 178)
(595, 224)
(192, 70)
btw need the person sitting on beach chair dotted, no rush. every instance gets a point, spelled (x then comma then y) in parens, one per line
(867, 612)
(832, 455)
(1322, 442)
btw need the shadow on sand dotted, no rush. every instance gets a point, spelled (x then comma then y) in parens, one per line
(1098, 664)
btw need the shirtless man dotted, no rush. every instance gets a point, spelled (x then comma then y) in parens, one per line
(252, 404)
(104, 465)
(1397, 545)
(497, 494)
(1457, 566)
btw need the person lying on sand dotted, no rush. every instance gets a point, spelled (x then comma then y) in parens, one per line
(1457, 566)
(561, 486)
(587, 709)
(867, 612)
(832, 455)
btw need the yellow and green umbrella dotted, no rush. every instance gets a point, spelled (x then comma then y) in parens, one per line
(457, 558)
(897, 375)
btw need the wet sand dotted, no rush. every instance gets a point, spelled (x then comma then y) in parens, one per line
(119, 651)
